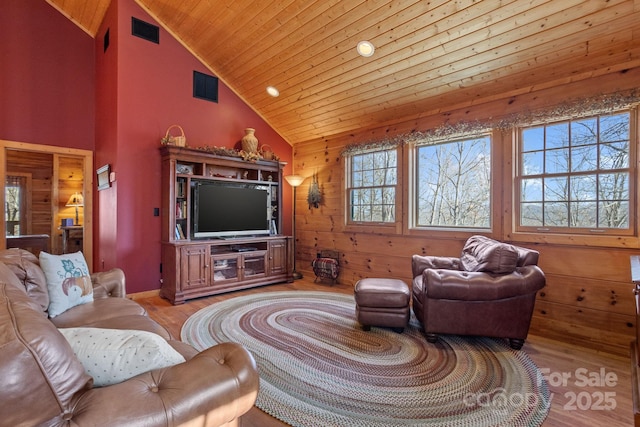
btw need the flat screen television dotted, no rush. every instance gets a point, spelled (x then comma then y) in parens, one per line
(223, 209)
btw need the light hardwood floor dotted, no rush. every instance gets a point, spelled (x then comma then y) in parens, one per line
(583, 382)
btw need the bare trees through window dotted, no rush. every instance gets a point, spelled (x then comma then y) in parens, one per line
(372, 186)
(566, 176)
(576, 173)
(453, 184)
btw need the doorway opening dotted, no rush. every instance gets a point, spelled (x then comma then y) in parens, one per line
(47, 198)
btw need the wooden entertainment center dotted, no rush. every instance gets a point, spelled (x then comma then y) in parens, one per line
(193, 268)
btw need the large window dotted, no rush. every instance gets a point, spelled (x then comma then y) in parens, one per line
(15, 213)
(574, 175)
(453, 184)
(371, 186)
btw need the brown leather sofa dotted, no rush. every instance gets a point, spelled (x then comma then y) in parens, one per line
(489, 291)
(44, 383)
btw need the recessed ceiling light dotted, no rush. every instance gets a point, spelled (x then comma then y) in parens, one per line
(365, 48)
(273, 91)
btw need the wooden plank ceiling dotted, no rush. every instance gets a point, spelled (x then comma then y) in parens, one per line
(429, 55)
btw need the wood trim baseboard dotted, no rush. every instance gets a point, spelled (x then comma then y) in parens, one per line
(144, 294)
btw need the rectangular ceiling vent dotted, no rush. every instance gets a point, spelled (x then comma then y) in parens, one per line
(144, 30)
(105, 41)
(205, 87)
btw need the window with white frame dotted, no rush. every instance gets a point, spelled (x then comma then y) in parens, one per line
(575, 175)
(453, 184)
(371, 186)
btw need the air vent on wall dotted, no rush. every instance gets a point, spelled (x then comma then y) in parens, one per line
(106, 40)
(145, 30)
(205, 87)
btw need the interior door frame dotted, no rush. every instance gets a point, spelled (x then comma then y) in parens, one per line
(87, 185)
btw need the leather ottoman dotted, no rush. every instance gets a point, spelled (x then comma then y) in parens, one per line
(382, 302)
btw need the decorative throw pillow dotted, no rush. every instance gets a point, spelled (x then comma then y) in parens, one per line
(111, 356)
(68, 281)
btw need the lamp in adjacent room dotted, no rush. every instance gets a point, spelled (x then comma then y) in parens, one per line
(76, 200)
(294, 181)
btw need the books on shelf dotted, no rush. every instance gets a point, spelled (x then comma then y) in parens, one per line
(180, 189)
(179, 232)
(181, 209)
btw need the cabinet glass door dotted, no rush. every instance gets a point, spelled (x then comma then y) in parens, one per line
(254, 264)
(225, 269)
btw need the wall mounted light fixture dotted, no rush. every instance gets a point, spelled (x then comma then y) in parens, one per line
(314, 197)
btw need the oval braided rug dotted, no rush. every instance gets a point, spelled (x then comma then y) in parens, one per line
(319, 368)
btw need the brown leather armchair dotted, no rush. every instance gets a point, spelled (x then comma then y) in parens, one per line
(489, 291)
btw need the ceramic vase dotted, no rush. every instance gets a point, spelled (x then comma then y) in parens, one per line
(249, 141)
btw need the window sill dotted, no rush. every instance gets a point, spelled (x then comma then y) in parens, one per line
(596, 240)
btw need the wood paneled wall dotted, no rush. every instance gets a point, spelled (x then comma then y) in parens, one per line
(70, 181)
(588, 299)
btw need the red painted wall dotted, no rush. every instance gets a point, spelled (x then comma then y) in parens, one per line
(153, 87)
(47, 77)
(59, 87)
